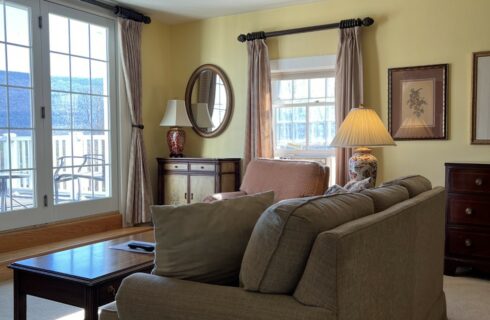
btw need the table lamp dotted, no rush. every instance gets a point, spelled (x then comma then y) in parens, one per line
(362, 128)
(200, 112)
(175, 117)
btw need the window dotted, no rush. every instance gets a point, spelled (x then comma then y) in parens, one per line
(304, 115)
(57, 113)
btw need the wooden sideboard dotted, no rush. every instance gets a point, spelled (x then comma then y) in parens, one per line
(467, 217)
(189, 180)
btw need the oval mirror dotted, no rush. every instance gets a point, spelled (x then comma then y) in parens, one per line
(209, 100)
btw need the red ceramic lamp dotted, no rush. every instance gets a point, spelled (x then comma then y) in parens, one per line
(175, 117)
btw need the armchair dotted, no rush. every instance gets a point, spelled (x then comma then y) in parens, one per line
(287, 178)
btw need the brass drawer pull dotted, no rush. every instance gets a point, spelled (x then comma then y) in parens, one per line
(468, 211)
(479, 182)
(176, 167)
(467, 243)
(202, 167)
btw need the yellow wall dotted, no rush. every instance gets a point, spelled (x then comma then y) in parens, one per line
(406, 33)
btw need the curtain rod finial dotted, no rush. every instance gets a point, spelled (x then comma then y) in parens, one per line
(368, 21)
(242, 38)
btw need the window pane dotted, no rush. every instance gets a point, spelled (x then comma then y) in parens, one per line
(100, 113)
(21, 150)
(285, 89)
(80, 75)
(330, 89)
(58, 34)
(98, 42)
(81, 111)
(82, 144)
(63, 185)
(3, 65)
(61, 110)
(3, 108)
(60, 72)
(300, 89)
(317, 88)
(18, 25)
(100, 147)
(99, 77)
(19, 66)
(299, 114)
(62, 150)
(79, 43)
(2, 24)
(4, 150)
(22, 192)
(20, 108)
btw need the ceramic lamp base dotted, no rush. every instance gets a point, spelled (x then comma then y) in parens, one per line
(176, 140)
(363, 164)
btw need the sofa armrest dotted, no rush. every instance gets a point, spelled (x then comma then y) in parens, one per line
(224, 196)
(388, 265)
(150, 297)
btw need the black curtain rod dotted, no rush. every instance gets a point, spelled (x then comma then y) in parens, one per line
(350, 23)
(121, 11)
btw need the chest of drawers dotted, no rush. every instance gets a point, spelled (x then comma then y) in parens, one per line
(467, 217)
(189, 180)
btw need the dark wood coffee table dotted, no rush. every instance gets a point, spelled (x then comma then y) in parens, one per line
(86, 277)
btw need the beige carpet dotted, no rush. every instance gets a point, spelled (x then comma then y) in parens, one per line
(467, 299)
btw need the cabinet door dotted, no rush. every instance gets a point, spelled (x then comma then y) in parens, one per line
(175, 192)
(201, 186)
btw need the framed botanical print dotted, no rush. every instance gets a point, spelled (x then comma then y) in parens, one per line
(480, 127)
(417, 98)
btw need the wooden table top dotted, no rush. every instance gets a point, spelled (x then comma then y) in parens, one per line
(91, 262)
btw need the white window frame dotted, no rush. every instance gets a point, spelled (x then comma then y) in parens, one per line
(306, 67)
(42, 162)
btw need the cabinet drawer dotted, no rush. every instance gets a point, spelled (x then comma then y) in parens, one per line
(469, 180)
(203, 167)
(467, 209)
(176, 166)
(468, 243)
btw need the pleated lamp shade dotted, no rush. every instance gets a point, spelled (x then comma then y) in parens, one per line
(362, 128)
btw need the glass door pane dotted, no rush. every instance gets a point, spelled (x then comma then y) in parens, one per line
(80, 110)
(17, 138)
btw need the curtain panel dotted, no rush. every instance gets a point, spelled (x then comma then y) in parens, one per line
(348, 90)
(139, 195)
(258, 131)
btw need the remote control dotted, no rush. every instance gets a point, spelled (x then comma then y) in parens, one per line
(142, 246)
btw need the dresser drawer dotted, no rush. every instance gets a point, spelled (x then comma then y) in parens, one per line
(469, 209)
(469, 180)
(176, 166)
(203, 167)
(468, 243)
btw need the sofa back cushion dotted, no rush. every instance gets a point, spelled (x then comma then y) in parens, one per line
(283, 236)
(288, 179)
(205, 242)
(415, 184)
(385, 197)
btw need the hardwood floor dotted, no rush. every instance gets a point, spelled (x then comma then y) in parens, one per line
(8, 257)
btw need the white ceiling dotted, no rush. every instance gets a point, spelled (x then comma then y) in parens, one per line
(177, 11)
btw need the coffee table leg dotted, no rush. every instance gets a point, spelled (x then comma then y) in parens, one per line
(91, 307)
(20, 300)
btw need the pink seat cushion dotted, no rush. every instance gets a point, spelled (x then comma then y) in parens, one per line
(288, 179)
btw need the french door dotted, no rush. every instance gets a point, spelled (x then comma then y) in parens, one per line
(57, 113)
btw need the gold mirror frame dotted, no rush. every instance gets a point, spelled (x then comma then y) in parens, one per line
(229, 100)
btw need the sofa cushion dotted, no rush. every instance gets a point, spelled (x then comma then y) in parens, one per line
(108, 312)
(415, 184)
(282, 238)
(385, 197)
(205, 241)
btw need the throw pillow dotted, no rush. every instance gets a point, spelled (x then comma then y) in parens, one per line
(359, 185)
(335, 189)
(205, 242)
(282, 239)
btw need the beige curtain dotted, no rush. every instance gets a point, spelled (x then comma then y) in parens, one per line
(206, 89)
(348, 90)
(258, 131)
(139, 196)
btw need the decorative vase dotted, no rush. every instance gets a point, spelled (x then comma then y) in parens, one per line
(176, 140)
(363, 164)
